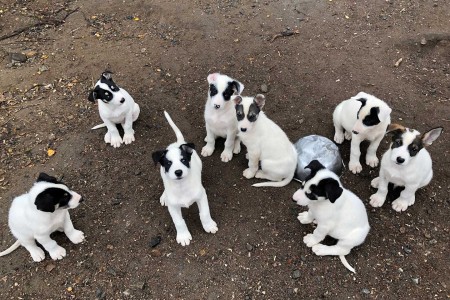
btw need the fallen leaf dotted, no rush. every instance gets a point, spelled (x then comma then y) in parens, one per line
(50, 152)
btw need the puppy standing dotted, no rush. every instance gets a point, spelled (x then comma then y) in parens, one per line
(220, 120)
(266, 143)
(407, 163)
(115, 106)
(41, 211)
(181, 171)
(338, 213)
(362, 117)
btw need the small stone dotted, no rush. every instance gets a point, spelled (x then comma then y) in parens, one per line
(109, 247)
(50, 267)
(249, 247)
(137, 172)
(303, 258)
(301, 121)
(30, 53)
(69, 289)
(423, 41)
(365, 291)
(296, 274)
(115, 201)
(402, 230)
(155, 253)
(99, 294)
(51, 137)
(43, 68)
(407, 249)
(155, 240)
(427, 235)
(264, 88)
(415, 280)
(126, 293)
(138, 285)
(433, 241)
(18, 57)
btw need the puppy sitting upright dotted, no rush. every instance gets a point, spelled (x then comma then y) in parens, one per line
(181, 171)
(338, 213)
(220, 120)
(115, 106)
(362, 117)
(41, 211)
(406, 164)
(267, 144)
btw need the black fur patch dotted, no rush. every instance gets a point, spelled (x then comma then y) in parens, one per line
(49, 198)
(186, 154)
(229, 91)
(104, 95)
(363, 103)
(253, 112)
(212, 90)
(110, 82)
(328, 188)
(314, 166)
(397, 140)
(240, 112)
(415, 146)
(47, 178)
(372, 118)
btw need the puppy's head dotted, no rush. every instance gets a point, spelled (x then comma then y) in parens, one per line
(107, 91)
(372, 112)
(247, 111)
(321, 184)
(221, 88)
(407, 143)
(51, 194)
(176, 160)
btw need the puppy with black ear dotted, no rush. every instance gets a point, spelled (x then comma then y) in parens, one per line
(115, 106)
(44, 209)
(337, 211)
(362, 117)
(267, 144)
(181, 171)
(220, 120)
(406, 164)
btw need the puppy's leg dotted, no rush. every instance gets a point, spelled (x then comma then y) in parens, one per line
(253, 164)
(354, 165)
(205, 217)
(112, 136)
(375, 182)
(128, 136)
(75, 236)
(210, 139)
(338, 133)
(272, 170)
(407, 198)
(136, 111)
(305, 217)
(371, 155)
(36, 253)
(227, 153)
(183, 235)
(348, 135)
(237, 145)
(377, 199)
(55, 250)
(163, 198)
(316, 237)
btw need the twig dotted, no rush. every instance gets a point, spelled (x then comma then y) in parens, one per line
(283, 34)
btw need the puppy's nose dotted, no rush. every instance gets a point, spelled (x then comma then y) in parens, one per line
(243, 129)
(216, 106)
(355, 132)
(122, 100)
(178, 173)
(400, 160)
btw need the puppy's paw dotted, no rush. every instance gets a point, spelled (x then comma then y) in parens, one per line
(76, 236)
(184, 238)
(207, 151)
(305, 218)
(375, 182)
(400, 205)
(372, 161)
(248, 173)
(226, 156)
(210, 226)
(355, 167)
(128, 138)
(246, 156)
(107, 138)
(310, 240)
(58, 253)
(116, 140)
(376, 200)
(37, 254)
(162, 200)
(320, 249)
(339, 137)
(237, 147)
(348, 135)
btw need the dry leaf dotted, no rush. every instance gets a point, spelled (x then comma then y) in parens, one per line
(50, 152)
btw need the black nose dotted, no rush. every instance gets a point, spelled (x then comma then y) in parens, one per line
(81, 199)
(243, 129)
(178, 173)
(400, 160)
(122, 100)
(216, 106)
(355, 132)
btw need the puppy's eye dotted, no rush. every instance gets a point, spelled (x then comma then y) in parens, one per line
(66, 194)
(169, 163)
(183, 160)
(397, 143)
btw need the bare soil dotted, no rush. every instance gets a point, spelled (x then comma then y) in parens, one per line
(310, 54)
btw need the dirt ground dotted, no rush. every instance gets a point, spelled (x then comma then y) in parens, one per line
(310, 54)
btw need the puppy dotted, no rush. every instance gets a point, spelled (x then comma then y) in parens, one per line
(338, 213)
(115, 106)
(181, 171)
(219, 115)
(407, 163)
(362, 117)
(41, 211)
(267, 144)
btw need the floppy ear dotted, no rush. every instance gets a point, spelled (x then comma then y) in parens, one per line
(237, 100)
(44, 201)
(315, 166)
(107, 75)
(237, 87)
(385, 111)
(212, 77)
(158, 156)
(92, 96)
(332, 189)
(47, 178)
(395, 128)
(429, 137)
(188, 147)
(362, 100)
(260, 100)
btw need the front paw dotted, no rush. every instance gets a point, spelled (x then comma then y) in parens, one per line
(339, 137)
(37, 254)
(184, 238)
(207, 150)
(76, 236)
(348, 135)
(320, 249)
(162, 199)
(372, 161)
(226, 155)
(400, 204)
(116, 140)
(376, 200)
(58, 253)
(310, 240)
(128, 138)
(305, 218)
(248, 173)
(210, 226)
(375, 182)
(355, 167)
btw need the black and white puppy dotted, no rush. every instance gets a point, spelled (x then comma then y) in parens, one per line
(338, 213)
(362, 117)
(44, 209)
(406, 164)
(220, 120)
(267, 144)
(115, 106)
(181, 171)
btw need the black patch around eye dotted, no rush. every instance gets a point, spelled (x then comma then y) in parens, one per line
(318, 191)
(372, 118)
(186, 158)
(415, 147)
(103, 94)
(212, 90)
(166, 164)
(50, 197)
(397, 142)
(228, 92)
(253, 112)
(311, 196)
(240, 112)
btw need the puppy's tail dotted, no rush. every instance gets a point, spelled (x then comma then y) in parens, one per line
(275, 183)
(180, 138)
(98, 126)
(11, 249)
(346, 264)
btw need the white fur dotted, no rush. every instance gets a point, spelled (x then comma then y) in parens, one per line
(415, 172)
(345, 219)
(29, 224)
(184, 192)
(268, 146)
(345, 122)
(221, 122)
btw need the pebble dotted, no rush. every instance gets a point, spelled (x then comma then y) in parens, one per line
(415, 280)
(433, 241)
(264, 88)
(423, 41)
(402, 230)
(99, 294)
(155, 240)
(138, 285)
(407, 249)
(50, 267)
(18, 57)
(43, 68)
(365, 291)
(296, 274)
(249, 247)
(126, 293)
(109, 247)
(155, 253)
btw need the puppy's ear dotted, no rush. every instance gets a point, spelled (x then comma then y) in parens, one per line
(107, 75)
(429, 137)
(260, 100)
(45, 201)
(395, 128)
(47, 178)
(332, 189)
(362, 100)
(237, 100)
(315, 166)
(92, 96)
(188, 147)
(158, 156)
(385, 111)
(212, 77)
(237, 87)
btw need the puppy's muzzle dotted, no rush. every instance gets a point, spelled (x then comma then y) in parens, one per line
(400, 160)
(216, 106)
(243, 129)
(355, 132)
(122, 100)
